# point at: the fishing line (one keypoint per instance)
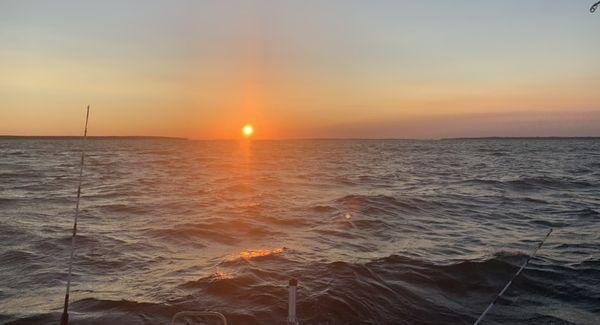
(512, 279)
(64, 319)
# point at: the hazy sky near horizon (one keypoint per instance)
(202, 69)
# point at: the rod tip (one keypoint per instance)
(293, 282)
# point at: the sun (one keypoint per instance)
(248, 130)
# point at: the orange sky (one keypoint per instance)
(335, 69)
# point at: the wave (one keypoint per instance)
(530, 183)
(586, 213)
(100, 311)
(123, 208)
(222, 231)
(376, 204)
(381, 291)
(547, 183)
(323, 209)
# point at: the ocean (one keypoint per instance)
(375, 231)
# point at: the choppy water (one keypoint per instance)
(377, 232)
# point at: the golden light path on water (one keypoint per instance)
(252, 253)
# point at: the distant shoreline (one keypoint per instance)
(66, 137)
(523, 138)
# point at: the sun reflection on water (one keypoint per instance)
(252, 253)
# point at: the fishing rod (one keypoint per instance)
(64, 319)
(594, 7)
(512, 279)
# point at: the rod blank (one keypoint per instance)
(512, 279)
(64, 319)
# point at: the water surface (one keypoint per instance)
(376, 231)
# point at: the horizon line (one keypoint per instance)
(158, 137)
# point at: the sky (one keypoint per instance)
(301, 69)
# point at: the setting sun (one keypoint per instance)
(248, 130)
